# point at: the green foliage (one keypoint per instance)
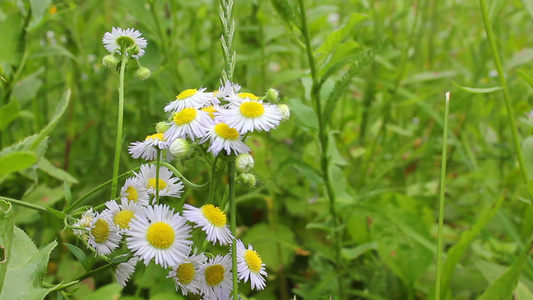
(26, 264)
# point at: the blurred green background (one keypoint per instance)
(385, 134)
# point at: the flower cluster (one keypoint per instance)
(154, 232)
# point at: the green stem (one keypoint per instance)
(323, 139)
(101, 186)
(157, 166)
(120, 120)
(441, 202)
(185, 181)
(505, 90)
(233, 225)
(32, 206)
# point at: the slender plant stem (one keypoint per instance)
(226, 7)
(101, 186)
(441, 201)
(29, 205)
(505, 90)
(157, 166)
(233, 225)
(120, 121)
(185, 181)
(323, 139)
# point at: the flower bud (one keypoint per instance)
(285, 112)
(142, 73)
(244, 162)
(161, 127)
(110, 61)
(247, 179)
(272, 95)
(180, 148)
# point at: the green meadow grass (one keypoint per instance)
(347, 200)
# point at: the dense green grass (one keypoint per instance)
(395, 59)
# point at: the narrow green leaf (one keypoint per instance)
(54, 50)
(334, 38)
(286, 11)
(38, 8)
(16, 161)
(81, 256)
(477, 90)
(8, 113)
(68, 195)
(456, 252)
(11, 30)
(353, 253)
(46, 166)
(504, 286)
(526, 77)
(6, 238)
(60, 109)
(304, 114)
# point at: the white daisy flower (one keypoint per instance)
(123, 271)
(215, 278)
(168, 185)
(224, 137)
(161, 235)
(147, 149)
(212, 220)
(188, 123)
(228, 91)
(186, 274)
(250, 266)
(130, 37)
(192, 98)
(133, 190)
(84, 222)
(122, 214)
(250, 116)
(103, 235)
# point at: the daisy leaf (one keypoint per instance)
(26, 265)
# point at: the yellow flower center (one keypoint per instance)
(210, 109)
(248, 95)
(253, 260)
(100, 231)
(185, 273)
(157, 136)
(185, 116)
(214, 274)
(123, 218)
(151, 184)
(133, 195)
(215, 93)
(252, 109)
(160, 235)
(214, 215)
(186, 94)
(226, 132)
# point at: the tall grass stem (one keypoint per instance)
(442, 196)
(323, 140)
(505, 90)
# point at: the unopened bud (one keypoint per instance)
(285, 112)
(244, 162)
(161, 127)
(180, 148)
(142, 73)
(247, 179)
(272, 95)
(110, 61)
